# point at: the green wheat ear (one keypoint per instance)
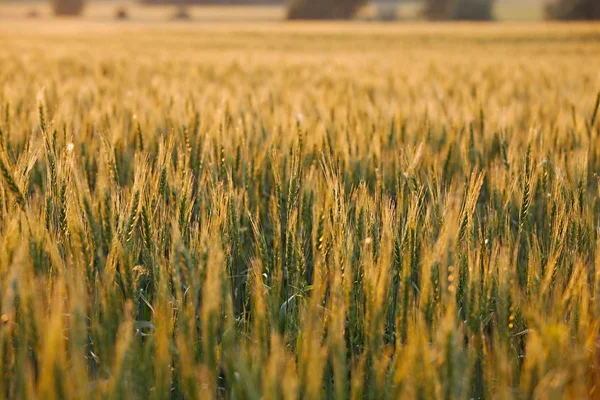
(12, 184)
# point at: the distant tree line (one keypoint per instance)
(475, 10)
(323, 9)
(573, 9)
(67, 7)
(480, 10)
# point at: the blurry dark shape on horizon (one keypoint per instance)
(67, 8)
(182, 14)
(33, 13)
(436, 10)
(459, 10)
(121, 14)
(323, 9)
(573, 10)
(387, 12)
(473, 10)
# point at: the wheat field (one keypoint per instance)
(335, 210)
